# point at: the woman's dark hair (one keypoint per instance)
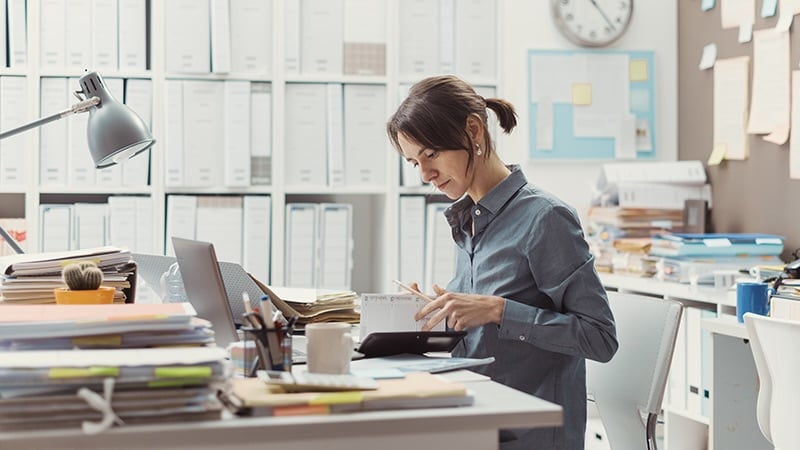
(434, 115)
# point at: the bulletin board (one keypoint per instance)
(591, 105)
(751, 195)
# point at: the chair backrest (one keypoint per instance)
(775, 344)
(628, 390)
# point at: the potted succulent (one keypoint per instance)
(83, 281)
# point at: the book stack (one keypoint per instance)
(32, 277)
(251, 396)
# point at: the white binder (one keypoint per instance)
(55, 228)
(53, 137)
(202, 133)
(219, 221)
(335, 135)
(187, 47)
(418, 43)
(236, 130)
(336, 249)
(78, 35)
(132, 35)
(321, 36)
(440, 250)
(251, 36)
(91, 225)
(301, 245)
(181, 215)
(220, 36)
(411, 251)
(17, 34)
(15, 155)
(256, 233)
(53, 34)
(365, 142)
(139, 97)
(306, 139)
(476, 39)
(105, 39)
(173, 133)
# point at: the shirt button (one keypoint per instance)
(522, 338)
(477, 212)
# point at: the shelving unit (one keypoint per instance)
(728, 371)
(375, 208)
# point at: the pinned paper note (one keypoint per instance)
(785, 20)
(544, 124)
(778, 136)
(639, 100)
(581, 94)
(706, 5)
(637, 70)
(745, 33)
(709, 56)
(769, 8)
(717, 155)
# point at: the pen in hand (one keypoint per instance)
(413, 291)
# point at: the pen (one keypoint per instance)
(413, 291)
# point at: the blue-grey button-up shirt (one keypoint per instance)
(528, 247)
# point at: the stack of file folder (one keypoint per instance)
(314, 305)
(95, 365)
(693, 258)
(55, 327)
(94, 389)
(716, 244)
(30, 278)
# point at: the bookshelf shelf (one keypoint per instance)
(375, 202)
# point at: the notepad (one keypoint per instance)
(392, 312)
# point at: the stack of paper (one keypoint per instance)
(32, 277)
(416, 390)
(53, 327)
(314, 305)
(96, 388)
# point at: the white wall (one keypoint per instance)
(527, 24)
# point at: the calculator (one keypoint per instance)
(316, 382)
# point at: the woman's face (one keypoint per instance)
(445, 169)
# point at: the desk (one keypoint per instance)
(496, 406)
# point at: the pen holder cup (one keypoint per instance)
(273, 348)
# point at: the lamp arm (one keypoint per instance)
(10, 241)
(80, 107)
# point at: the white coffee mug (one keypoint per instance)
(329, 347)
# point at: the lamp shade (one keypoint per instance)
(115, 133)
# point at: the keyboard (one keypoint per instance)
(316, 382)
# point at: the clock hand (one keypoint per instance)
(594, 3)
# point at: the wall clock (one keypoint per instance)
(592, 23)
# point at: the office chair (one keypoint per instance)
(775, 344)
(628, 389)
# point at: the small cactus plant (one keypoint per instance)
(82, 276)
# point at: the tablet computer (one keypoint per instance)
(418, 342)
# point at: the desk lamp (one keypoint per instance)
(115, 133)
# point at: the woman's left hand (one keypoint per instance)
(462, 311)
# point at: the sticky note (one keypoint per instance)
(717, 155)
(581, 94)
(637, 70)
(706, 5)
(110, 340)
(82, 372)
(333, 398)
(183, 372)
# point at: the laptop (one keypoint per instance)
(205, 288)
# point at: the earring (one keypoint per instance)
(478, 150)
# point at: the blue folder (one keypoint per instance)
(716, 244)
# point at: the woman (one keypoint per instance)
(525, 287)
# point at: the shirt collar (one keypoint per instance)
(494, 199)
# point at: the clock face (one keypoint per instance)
(592, 23)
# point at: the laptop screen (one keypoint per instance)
(205, 289)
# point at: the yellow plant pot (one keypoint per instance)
(103, 294)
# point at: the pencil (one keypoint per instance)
(413, 291)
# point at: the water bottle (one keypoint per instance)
(172, 285)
